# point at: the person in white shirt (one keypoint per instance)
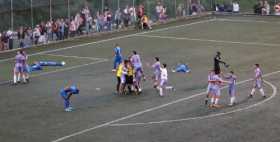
(163, 79)
(258, 82)
(236, 7)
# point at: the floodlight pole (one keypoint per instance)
(31, 9)
(68, 7)
(50, 9)
(12, 15)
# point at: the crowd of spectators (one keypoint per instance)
(86, 22)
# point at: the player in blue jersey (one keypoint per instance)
(117, 57)
(182, 68)
(66, 94)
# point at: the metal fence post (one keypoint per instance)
(31, 10)
(68, 9)
(12, 15)
(50, 9)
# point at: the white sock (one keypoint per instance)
(232, 100)
(212, 100)
(24, 78)
(18, 77)
(169, 87)
(15, 78)
(262, 92)
(216, 101)
(160, 91)
(253, 91)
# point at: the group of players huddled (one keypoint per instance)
(130, 73)
(217, 79)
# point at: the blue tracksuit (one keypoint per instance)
(182, 68)
(65, 92)
(118, 57)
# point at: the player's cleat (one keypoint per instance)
(250, 96)
(264, 97)
(206, 101)
(68, 110)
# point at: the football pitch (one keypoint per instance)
(34, 112)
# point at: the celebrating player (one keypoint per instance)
(18, 69)
(232, 87)
(216, 90)
(258, 82)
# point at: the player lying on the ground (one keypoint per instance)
(182, 68)
(37, 66)
(258, 82)
(66, 94)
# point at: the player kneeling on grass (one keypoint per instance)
(216, 90)
(232, 87)
(258, 81)
(66, 93)
(163, 80)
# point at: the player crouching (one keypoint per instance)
(66, 93)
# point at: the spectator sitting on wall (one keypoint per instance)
(258, 8)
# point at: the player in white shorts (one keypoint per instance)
(163, 80)
(258, 82)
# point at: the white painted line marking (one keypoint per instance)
(206, 116)
(209, 40)
(75, 57)
(142, 112)
(111, 39)
(245, 21)
(60, 70)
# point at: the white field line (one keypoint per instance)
(75, 57)
(144, 111)
(111, 39)
(61, 70)
(206, 116)
(210, 40)
(245, 21)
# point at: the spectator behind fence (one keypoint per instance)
(235, 7)
(265, 8)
